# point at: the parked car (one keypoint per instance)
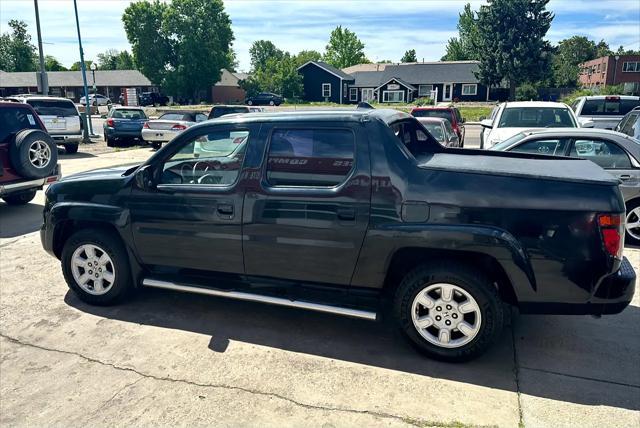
(60, 117)
(28, 155)
(168, 125)
(441, 130)
(509, 119)
(123, 123)
(452, 114)
(265, 98)
(223, 110)
(605, 111)
(630, 124)
(152, 99)
(617, 153)
(96, 100)
(346, 212)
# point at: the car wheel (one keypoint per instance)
(448, 311)
(272, 103)
(21, 198)
(156, 145)
(71, 148)
(33, 154)
(96, 267)
(249, 103)
(632, 225)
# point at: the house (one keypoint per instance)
(227, 90)
(393, 83)
(69, 84)
(611, 70)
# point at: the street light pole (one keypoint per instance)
(43, 82)
(87, 111)
(615, 68)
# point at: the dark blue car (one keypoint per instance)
(124, 124)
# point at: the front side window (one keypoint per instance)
(326, 90)
(213, 158)
(552, 147)
(469, 89)
(310, 157)
(536, 117)
(603, 153)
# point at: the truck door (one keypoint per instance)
(307, 218)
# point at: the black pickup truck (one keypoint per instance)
(357, 213)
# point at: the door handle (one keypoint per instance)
(225, 209)
(346, 213)
(624, 177)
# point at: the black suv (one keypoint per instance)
(264, 98)
(356, 213)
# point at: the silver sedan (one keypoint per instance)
(168, 125)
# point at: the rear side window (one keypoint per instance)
(631, 126)
(14, 120)
(608, 107)
(310, 157)
(59, 108)
(553, 147)
(604, 153)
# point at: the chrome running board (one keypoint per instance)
(239, 295)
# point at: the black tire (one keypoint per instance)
(116, 251)
(249, 103)
(632, 217)
(71, 148)
(19, 153)
(111, 142)
(21, 198)
(473, 282)
(272, 103)
(156, 145)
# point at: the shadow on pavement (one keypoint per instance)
(357, 341)
(16, 220)
(77, 155)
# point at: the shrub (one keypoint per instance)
(424, 101)
(526, 92)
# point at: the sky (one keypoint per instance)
(387, 28)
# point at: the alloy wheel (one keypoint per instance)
(632, 225)
(92, 269)
(39, 154)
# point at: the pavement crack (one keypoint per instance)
(516, 371)
(592, 379)
(404, 419)
(128, 385)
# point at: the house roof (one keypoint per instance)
(367, 79)
(74, 78)
(433, 72)
(400, 81)
(329, 68)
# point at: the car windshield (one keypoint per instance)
(53, 107)
(536, 117)
(221, 111)
(608, 107)
(444, 114)
(435, 130)
(509, 141)
(128, 114)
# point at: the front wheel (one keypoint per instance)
(156, 145)
(96, 267)
(449, 312)
(71, 148)
(272, 103)
(21, 198)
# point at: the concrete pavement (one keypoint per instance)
(166, 358)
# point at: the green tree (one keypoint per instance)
(511, 42)
(51, 63)
(344, 49)
(409, 56)
(17, 53)
(262, 51)
(602, 49)
(622, 51)
(278, 74)
(304, 57)
(567, 57)
(182, 45)
(125, 61)
(465, 46)
(112, 59)
(76, 65)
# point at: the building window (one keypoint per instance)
(367, 94)
(469, 89)
(631, 66)
(392, 96)
(326, 90)
(353, 94)
(344, 89)
(425, 90)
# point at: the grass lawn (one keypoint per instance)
(473, 114)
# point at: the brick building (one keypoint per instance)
(611, 70)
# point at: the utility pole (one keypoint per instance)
(87, 111)
(43, 81)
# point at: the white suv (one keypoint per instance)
(508, 119)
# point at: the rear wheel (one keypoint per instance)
(156, 145)
(21, 198)
(250, 102)
(449, 312)
(96, 267)
(272, 103)
(632, 226)
(71, 148)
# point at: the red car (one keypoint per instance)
(28, 155)
(450, 113)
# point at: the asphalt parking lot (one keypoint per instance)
(166, 358)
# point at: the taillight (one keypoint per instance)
(612, 231)
(612, 98)
(110, 122)
(146, 125)
(178, 127)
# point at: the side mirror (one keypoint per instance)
(486, 123)
(587, 124)
(464, 120)
(144, 178)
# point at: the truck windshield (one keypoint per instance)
(608, 107)
(536, 117)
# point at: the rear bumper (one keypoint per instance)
(22, 186)
(613, 294)
(158, 135)
(123, 133)
(66, 138)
